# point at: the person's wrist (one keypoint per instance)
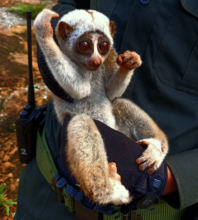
(171, 185)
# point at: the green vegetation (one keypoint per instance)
(4, 202)
(21, 9)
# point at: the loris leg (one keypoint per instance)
(136, 124)
(88, 163)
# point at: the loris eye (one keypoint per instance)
(84, 45)
(104, 46)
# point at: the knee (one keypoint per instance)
(81, 123)
(121, 105)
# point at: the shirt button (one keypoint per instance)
(145, 1)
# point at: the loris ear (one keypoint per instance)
(112, 28)
(64, 29)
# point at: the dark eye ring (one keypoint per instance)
(84, 45)
(104, 46)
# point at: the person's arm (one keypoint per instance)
(171, 185)
(184, 168)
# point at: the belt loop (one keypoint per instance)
(59, 190)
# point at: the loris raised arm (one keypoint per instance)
(87, 67)
(64, 70)
(83, 49)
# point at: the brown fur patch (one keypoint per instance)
(89, 34)
(91, 13)
(64, 29)
(112, 28)
(110, 61)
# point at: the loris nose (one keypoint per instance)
(96, 62)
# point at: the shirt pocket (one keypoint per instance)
(176, 63)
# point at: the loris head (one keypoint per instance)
(86, 37)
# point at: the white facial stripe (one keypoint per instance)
(95, 37)
(95, 53)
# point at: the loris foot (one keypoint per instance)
(115, 193)
(152, 157)
(129, 60)
(120, 194)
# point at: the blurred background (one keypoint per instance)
(13, 91)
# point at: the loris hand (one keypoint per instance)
(129, 60)
(152, 157)
(42, 23)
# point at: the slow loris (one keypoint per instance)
(87, 67)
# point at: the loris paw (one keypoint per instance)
(129, 60)
(116, 193)
(152, 157)
(42, 23)
(120, 194)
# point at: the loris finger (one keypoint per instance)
(152, 168)
(119, 59)
(113, 171)
(146, 164)
(112, 168)
(143, 143)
